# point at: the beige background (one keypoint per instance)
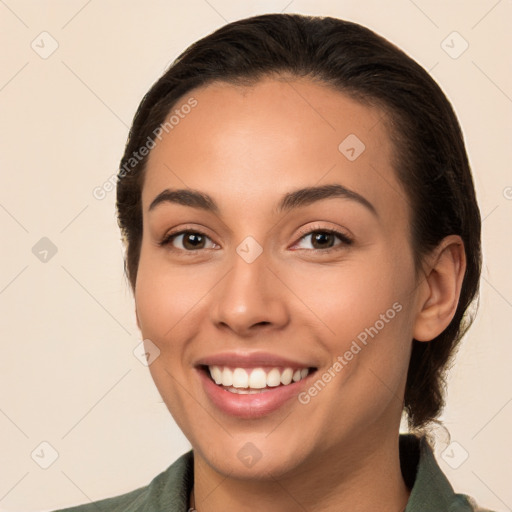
(68, 375)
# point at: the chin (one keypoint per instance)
(253, 456)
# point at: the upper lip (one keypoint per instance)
(250, 360)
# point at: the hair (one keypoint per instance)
(429, 159)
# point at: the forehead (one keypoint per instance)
(254, 143)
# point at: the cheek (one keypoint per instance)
(346, 298)
(365, 329)
(363, 315)
(166, 298)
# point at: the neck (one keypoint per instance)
(364, 478)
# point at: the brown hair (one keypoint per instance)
(430, 156)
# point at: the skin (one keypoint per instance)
(246, 147)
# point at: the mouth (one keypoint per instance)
(254, 380)
(254, 387)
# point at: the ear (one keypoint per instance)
(443, 282)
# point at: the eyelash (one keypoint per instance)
(345, 240)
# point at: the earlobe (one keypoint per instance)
(444, 282)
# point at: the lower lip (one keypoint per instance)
(250, 405)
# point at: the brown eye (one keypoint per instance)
(193, 241)
(190, 240)
(324, 240)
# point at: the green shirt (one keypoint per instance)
(169, 491)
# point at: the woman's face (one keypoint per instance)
(268, 284)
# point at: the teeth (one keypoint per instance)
(216, 374)
(240, 378)
(247, 391)
(273, 378)
(247, 380)
(227, 377)
(286, 376)
(258, 379)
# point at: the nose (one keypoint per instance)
(251, 297)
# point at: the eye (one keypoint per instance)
(323, 240)
(191, 240)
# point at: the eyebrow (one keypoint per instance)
(291, 200)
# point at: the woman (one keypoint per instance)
(303, 244)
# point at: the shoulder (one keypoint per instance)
(430, 489)
(167, 491)
(129, 502)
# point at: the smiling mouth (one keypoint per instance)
(246, 381)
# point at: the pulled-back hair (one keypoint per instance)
(430, 159)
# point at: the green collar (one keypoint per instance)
(430, 489)
(170, 490)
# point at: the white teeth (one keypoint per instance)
(246, 391)
(240, 378)
(244, 380)
(273, 378)
(227, 377)
(216, 374)
(286, 376)
(258, 379)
